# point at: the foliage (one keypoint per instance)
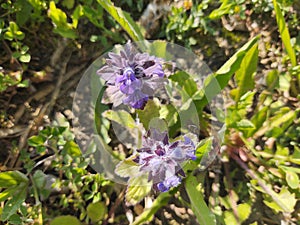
(256, 172)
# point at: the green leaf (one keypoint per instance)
(199, 207)
(150, 111)
(39, 178)
(68, 3)
(36, 141)
(272, 79)
(25, 58)
(72, 149)
(148, 214)
(15, 219)
(169, 113)
(158, 48)
(292, 179)
(138, 188)
(65, 220)
(244, 75)
(11, 178)
(77, 13)
(121, 117)
(244, 124)
(13, 32)
(8, 193)
(203, 147)
(244, 211)
(281, 120)
(214, 83)
(284, 32)
(123, 18)
(127, 167)
(23, 15)
(285, 198)
(12, 205)
(66, 32)
(96, 211)
(185, 82)
(224, 9)
(59, 18)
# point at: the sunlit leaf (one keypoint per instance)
(169, 113)
(199, 207)
(292, 179)
(224, 9)
(123, 18)
(65, 220)
(244, 75)
(96, 211)
(25, 58)
(244, 124)
(11, 178)
(150, 111)
(8, 193)
(59, 19)
(72, 149)
(138, 188)
(159, 49)
(12, 205)
(214, 83)
(121, 117)
(244, 211)
(286, 199)
(127, 168)
(284, 32)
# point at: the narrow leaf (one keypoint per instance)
(123, 18)
(214, 83)
(284, 32)
(244, 76)
(199, 207)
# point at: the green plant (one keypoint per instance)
(185, 23)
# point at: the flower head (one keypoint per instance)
(131, 77)
(162, 159)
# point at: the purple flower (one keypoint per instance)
(162, 160)
(131, 77)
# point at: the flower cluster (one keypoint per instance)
(162, 159)
(131, 77)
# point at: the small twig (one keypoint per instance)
(56, 56)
